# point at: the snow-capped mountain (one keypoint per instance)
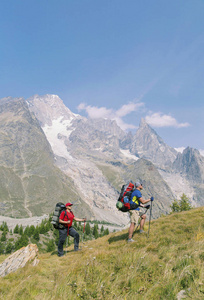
(90, 141)
(72, 137)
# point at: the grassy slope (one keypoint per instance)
(158, 267)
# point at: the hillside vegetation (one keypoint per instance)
(167, 264)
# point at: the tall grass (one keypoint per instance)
(158, 267)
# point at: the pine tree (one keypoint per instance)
(175, 206)
(102, 229)
(42, 228)
(36, 235)
(106, 231)
(48, 226)
(95, 232)
(1, 248)
(20, 231)
(87, 228)
(182, 205)
(3, 236)
(31, 230)
(185, 203)
(4, 227)
(56, 236)
(21, 242)
(9, 248)
(16, 229)
(26, 231)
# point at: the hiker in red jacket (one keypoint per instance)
(66, 218)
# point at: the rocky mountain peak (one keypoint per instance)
(143, 124)
(48, 108)
(191, 152)
(149, 145)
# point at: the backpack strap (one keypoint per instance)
(68, 224)
(65, 214)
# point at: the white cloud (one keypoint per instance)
(128, 108)
(157, 119)
(81, 106)
(117, 115)
(96, 112)
(162, 120)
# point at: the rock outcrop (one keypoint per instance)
(19, 259)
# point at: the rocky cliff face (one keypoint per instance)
(190, 165)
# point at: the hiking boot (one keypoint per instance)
(130, 240)
(142, 231)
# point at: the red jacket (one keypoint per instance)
(67, 216)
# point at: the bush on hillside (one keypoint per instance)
(181, 205)
(51, 246)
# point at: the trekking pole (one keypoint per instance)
(66, 244)
(150, 219)
(83, 232)
(67, 240)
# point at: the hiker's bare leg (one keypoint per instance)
(142, 222)
(131, 229)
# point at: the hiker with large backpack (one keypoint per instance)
(65, 220)
(136, 197)
(123, 203)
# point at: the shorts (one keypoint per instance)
(135, 215)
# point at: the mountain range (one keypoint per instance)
(49, 154)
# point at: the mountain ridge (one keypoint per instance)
(97, 157)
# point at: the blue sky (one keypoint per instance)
(125, 60)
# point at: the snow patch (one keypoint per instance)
(201, 152)
(127, 154)
(59, 126)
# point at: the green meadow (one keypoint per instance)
(168, 263)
